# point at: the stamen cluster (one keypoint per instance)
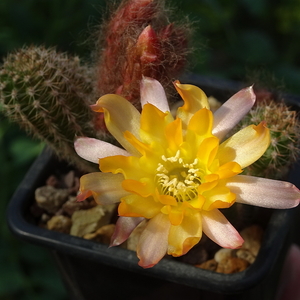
(177, 178)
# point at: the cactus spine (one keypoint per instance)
(48, 94)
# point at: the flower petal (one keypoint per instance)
(207, 151)
(219, 230)
(229, 169)
(152, 92)
(176, 216)
(264, 192)
(194, 99)
(124, 227)
(119, 115)
(173, 134)
(167, 200)
(199, 128)
(232, 111)
(92, 149)
(186, 235)
(153, 242)
(106, 188)
(141, 188)
(218, 197)
(202, 122)
(130, 166)
(153, 124)
(137, 206)
(246, 146)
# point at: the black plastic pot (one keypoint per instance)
(93, 271)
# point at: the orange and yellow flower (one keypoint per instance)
(178, 172)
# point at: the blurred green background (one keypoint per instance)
(241, 40)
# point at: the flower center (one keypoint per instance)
(177, 178)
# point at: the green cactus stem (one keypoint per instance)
(284, 147)
(48, 94)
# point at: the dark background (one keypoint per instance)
(249, 40)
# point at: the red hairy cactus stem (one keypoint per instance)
(140, 41)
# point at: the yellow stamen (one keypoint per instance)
(177, 178)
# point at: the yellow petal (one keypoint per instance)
(199, 128)
(137, 206)
(151, 154)
(153, 123)
(211, 178)
(129, 166)
(246, 146)
(222, 204)
(186, 235)
(197, 203)
(166, 209)
(210, 182)
(207, 151)
(194, 99)
(144, 189)
(218, 197)
(143, 148)
(201, 122)
(173, 134)
(229, 169)
(176, 216)
(120, 115)
(106, 188)
(167, 200)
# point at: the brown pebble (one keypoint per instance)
(246, 255)
(52, 181)
(224, 253)
(50, 198)
(71, 182)
(60, 223)
(210, 265)
(90, 220)
(68, 179)
(252, 236)
(232, 265)
(72, 205)
(45, 218)
(102, 235)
